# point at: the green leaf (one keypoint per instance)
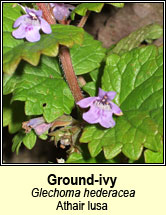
(78, 158)
(29, 140)
(42, 88)
(88, 56)
(95, 135)
(152, 31)
(157, 116)
(90, 88)
(43, 136)
(17, 140)
(94, 75)
(7, 112)
(140, 131)
(13, 114)
(14, 50)
(82, 8)
(137, 77)
(117, 4)
(153, 157)
(112, 150)
(129, 140)
(10, 14)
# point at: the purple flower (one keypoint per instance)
(101, 109)
(61, 11)
(38, 124)
(30, 25)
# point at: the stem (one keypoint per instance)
(69, 73)
(47, 12)
(84, 19)
(64, 55)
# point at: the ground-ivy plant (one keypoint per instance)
(59, 84)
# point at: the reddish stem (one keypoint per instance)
(69, 73)
(47, 12)
(64, 55)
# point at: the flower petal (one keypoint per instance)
(93, 115)
(84, 103)
(19, 21)
(42, 128)
(28, 10)
(115, 109)
(101, 93)
(38, 13)
(106, 119)
(20, 32)
(61, 10)
(111, 95)
(35, 122)
(45, 26)
(33, 35)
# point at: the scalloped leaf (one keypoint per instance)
(88, 56)
(42, 88)
(133, 40)
(82, 8)
(137, 77)
(15, 50)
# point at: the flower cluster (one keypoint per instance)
(30, 25)
(101, 109)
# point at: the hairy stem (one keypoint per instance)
(69, 73)
(47, 12)
(64, 55)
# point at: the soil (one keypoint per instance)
(109, 26)
(113, 24)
